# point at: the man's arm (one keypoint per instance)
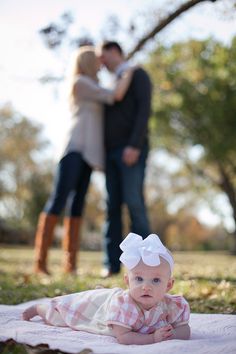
(142, 94)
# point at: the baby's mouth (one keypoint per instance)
(146, 296)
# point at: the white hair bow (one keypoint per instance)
(149, 250)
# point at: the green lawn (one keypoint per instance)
(207, 280)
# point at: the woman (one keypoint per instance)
(82, 153)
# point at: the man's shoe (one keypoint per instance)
(107, 273)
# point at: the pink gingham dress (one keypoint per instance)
(95, 311)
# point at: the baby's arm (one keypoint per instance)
(35, 310)
(181, 332)
(127, 336)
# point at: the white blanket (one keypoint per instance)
(210, 334)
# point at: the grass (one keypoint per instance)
(207, 280)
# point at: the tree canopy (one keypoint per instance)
(194, 105)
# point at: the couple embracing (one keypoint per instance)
(109, 131)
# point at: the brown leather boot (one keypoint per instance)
(43, 240)
(70, 243)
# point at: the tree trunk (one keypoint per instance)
(227, 186)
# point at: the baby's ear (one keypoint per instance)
(126, 279)
(170, 284)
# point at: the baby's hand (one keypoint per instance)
(163, 333)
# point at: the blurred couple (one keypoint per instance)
(109, 132)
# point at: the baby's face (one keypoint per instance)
(148, 285)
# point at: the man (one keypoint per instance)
(126, 144)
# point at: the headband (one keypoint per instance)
(149, 250)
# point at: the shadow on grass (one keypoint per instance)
(11, 347)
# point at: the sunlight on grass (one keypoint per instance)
(207, 280)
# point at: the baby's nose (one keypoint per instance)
(146, 286)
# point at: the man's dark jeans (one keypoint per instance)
(124, 185)
(70, 186)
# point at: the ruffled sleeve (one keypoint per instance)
(123, 312)
(178, 310)
(89, 89)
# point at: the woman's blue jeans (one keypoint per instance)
(124, 186)
(70, 186)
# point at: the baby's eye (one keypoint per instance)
(156, 280)
(139, 279)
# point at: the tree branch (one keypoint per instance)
(188, 5)
(194, 169)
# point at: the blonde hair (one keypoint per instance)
(84, 62)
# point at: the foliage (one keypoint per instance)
(23, 181)
(194, 95)
(39, 185)
(183, 232)
(194, 107)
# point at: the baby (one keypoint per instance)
(143, 314)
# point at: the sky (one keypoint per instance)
(24, 58)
